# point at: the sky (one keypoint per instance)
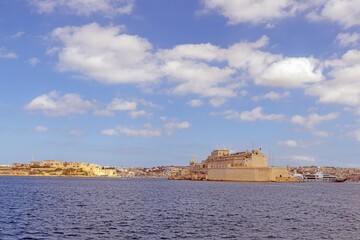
(143, 83)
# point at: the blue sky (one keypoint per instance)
(155, 82)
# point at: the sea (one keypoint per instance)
(116, 208)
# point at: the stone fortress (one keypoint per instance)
(247, 166)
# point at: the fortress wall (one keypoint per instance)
(277, 172)
(246, 174)
(239, 174)
(259, 161)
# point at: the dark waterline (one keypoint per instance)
(100, 208)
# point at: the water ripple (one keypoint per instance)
(72, 208)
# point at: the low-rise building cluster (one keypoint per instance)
(58, 168)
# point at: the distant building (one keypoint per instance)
(247, 166)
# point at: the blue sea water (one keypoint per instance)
(101, 208)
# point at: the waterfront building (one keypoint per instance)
(247, 166)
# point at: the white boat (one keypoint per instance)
(319, 176)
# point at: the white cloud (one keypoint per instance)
(84, 7)
(55, 105)
(146, 103)
(196, 103)
(140, 113)
(344, 87)
(201, 69)
(105, 54)
(17, 35)
(118, 58)
(5, 54)
(33, 61)
(290, 143)
(344, 12)
(291, 72)
(174, 125)
(41, 129)
(118, 104)
(199, 78)
(249, 11)
(313, 119)
(348, 39)
(253, 115)
(271, 96)
(273, 70)
(205, 52)
(147, 130)
(121, 105)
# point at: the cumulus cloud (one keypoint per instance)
(292, 72)
(313, 119)
(84, 7)
(170, 127)
(121, 105)
(271, 96)
(203, 51)
(55, 105)
(4, 53)
(147, 130)
(118, 58)
(345, 12)
(343, 86)
(140, 113)
(348, 39)
(271, 69)
(117, 104)
(105, 54)
(131, 106)
(248, 11)
(199, 78)
(253, 115)
(41, 129)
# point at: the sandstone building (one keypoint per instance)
(247, 166)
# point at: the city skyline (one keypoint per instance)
(151, 83)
